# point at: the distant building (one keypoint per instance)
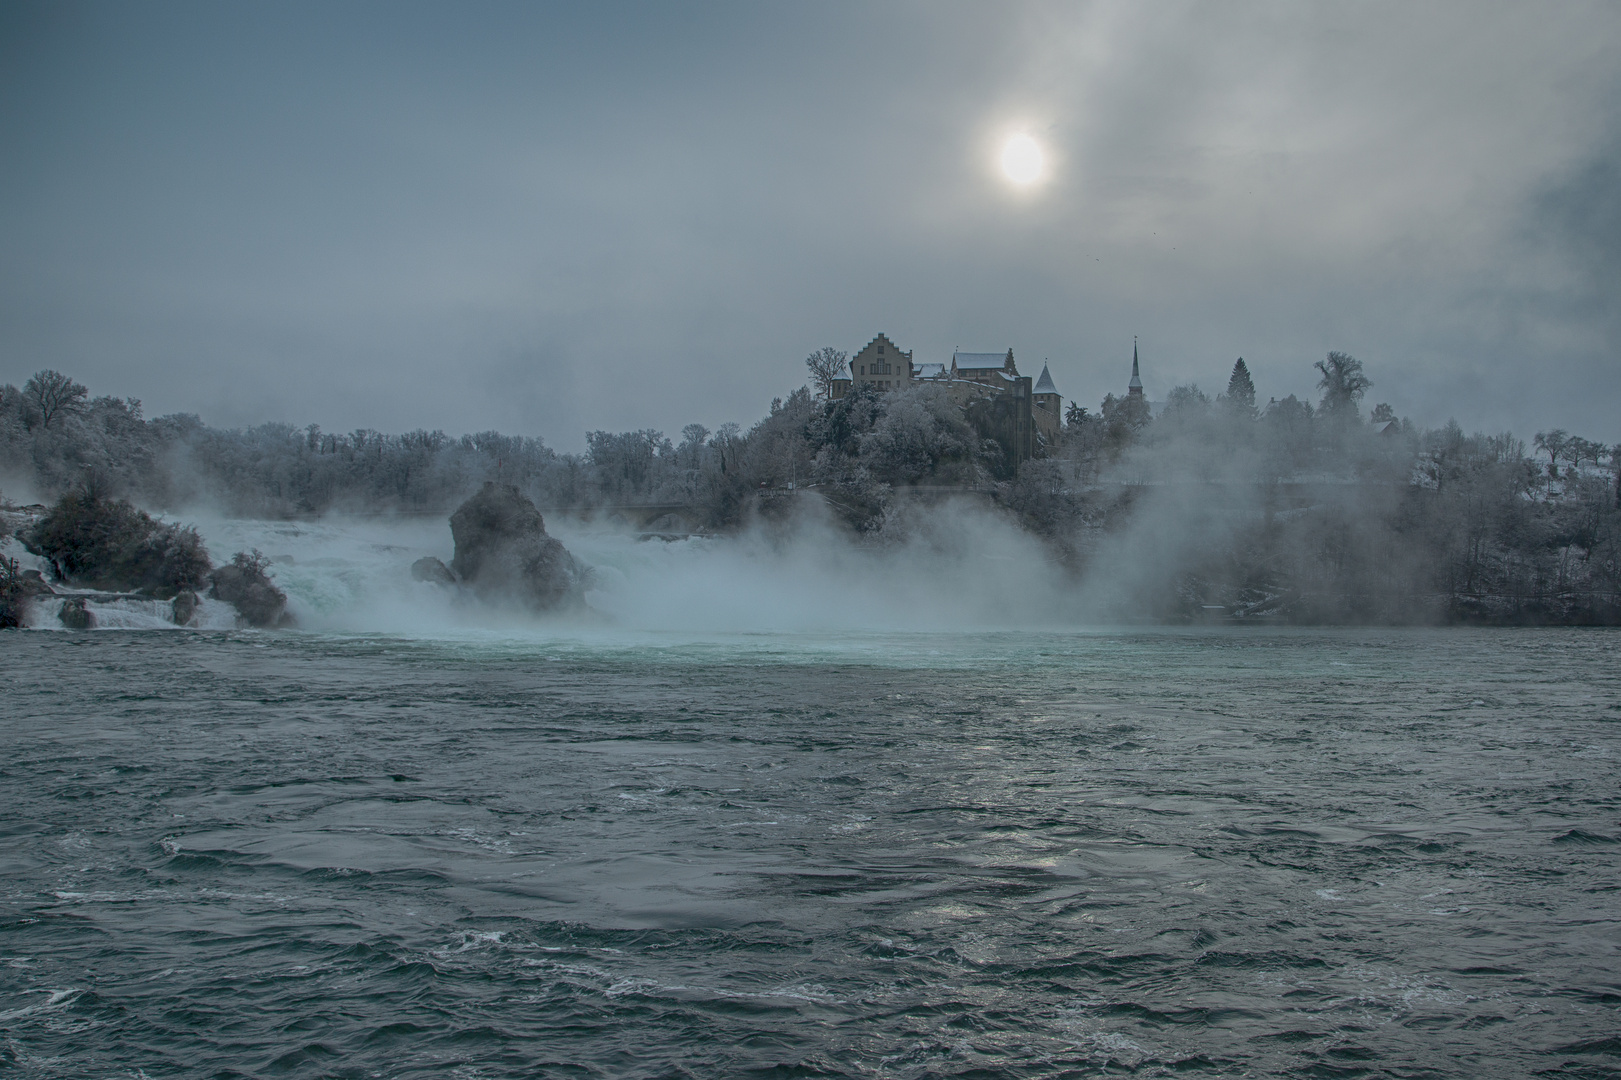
(995, 398)
(1135, 387)
(1046, 407)
(987, 368)
(881, 365)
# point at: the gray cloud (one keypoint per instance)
(550, 220)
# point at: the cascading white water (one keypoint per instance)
(959, 568)
(111, 612)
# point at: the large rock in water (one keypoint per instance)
(433, 571)
(244, 584)
(75, 616)
(503, 552)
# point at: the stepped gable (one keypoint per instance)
(882, 365)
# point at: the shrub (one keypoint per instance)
(11, 594)
(109, 544)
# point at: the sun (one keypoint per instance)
(1022, 160)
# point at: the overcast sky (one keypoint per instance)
(549, 220)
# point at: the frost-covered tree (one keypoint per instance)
(53, 395)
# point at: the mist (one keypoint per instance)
(958, 567)
(902, 509)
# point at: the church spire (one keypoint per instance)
(1135, 387)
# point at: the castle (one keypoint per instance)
(1023, 415)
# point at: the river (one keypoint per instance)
(617, 852)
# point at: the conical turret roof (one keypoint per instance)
(1044, 385)
(1136, 384)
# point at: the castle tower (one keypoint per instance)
(1135, 387)
(1045, 406)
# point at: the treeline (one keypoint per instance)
(1315, 512)
(55, 436)
(1205, 503)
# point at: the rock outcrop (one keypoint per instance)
(504, 555)
(18, 590)
(432, 570)
(243, 584)
(74, 615)
(112, 547)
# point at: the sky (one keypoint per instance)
(552, 219)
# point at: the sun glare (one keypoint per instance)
(1022, 160)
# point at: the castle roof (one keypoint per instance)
(883, 339)
(1044, 385)
(928, 371)
(1136, 384)
(978, 361)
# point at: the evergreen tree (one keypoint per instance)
(1240, 396)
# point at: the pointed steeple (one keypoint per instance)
(1044, 385)
(1135, 387)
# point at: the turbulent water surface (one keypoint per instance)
(1297, 853)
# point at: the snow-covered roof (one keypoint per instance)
(928, 371)
(1044, 385)
(978, 360)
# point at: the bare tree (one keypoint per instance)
(1342, 383)
(1553, 443)
(826, 364)
(1581, 449)
(53, 394)
(728, 442)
